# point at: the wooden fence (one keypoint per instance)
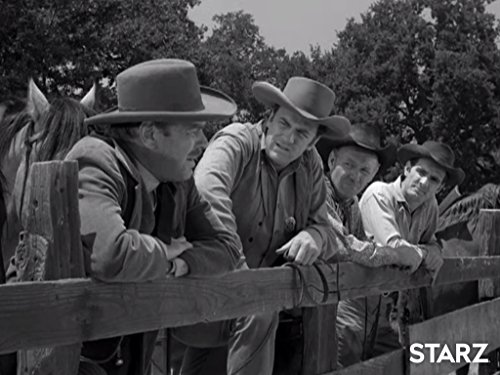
(55, 309)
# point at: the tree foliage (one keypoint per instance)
(423, 69)
(419, 69)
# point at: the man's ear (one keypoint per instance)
(147, 135)
(331, 160)
(407, 168)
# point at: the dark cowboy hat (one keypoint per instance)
(162, 90)
(362, 135)
(440, 153)
(308, 98)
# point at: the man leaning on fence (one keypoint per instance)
(405, 213)
(350, 165)
(265, 182)
(142, 217)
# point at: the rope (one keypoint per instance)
(305, 288)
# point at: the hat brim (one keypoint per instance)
(269, 95)
(386, 155)
(415, 151)
(217, 105)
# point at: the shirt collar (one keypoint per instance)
(150, 181)
(397, 190)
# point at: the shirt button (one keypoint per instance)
(250, 239)
(260, 223)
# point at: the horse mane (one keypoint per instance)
(14, 118)
(61, 127)
(467, 209)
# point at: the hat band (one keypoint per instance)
(162, 109)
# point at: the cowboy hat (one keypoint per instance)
(438, 152)
(309, 99)
(163, 90)
(361, 135)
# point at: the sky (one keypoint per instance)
(294, 24)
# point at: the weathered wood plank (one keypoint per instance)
(487, 235)
(357, 281)
(461, 326)
(388, 364)
(320, 345)
(52, 251)
(69, 311)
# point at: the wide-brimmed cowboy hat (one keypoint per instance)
(308, 98)
(164, 90)
(364, 136)
(438, 152)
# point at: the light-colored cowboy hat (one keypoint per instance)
(440, 153)
(361, 135)
(310, 99)
(164, 90)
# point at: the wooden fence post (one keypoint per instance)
(52, 250)
(320, 344)
(488, 236)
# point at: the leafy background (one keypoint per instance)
(418, 69)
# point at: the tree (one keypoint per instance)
(421, 70)
(66, 44)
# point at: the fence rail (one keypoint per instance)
(61, 312)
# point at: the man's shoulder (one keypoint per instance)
(378, 188)
(99, 153)
(92, 148)
(246, 133)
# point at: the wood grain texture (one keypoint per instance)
(487, 235)
(51, 250)
(320, 344)
(388, 364)
(474, 324)
(70, 311)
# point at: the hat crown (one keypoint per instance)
(441, 152)
(168, 85)
(366, 136)
(310, 96)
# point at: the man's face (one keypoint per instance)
(422, 181)
(288, 137)
(351, 169)
(177, 148)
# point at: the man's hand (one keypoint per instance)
(301, 249)
(433, 260)
(177, 247)
(406, 257)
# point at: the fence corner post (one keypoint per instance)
(52, 251)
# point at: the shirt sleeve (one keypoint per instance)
(216, 174)
(379, 220)
(215, 248)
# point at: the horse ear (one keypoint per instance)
(37, 102)
(89, 99)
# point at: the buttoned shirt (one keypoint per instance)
(387, 217)
(263, 207)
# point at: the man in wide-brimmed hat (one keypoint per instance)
(142, 217)
(405, 213)
(351, 163)
(265, 183)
